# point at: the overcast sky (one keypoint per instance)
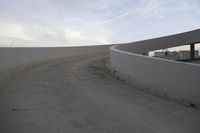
(88, 22)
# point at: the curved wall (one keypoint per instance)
(13, 57)
(175, 80)
(161, 42)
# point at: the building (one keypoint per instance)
(185, 54)
(175, 55)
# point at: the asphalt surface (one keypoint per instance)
(74, 95)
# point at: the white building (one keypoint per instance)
(185, 54)
(174, 55)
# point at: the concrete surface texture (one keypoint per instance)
(13, 57)
(171, 79)
(196, 62)
(74, 95)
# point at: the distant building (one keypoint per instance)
(174, 55)
(185, 54)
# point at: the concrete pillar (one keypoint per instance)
(192, 51)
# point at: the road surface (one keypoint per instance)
(74, 95)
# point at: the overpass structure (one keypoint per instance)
(174, 80)
(59, 90)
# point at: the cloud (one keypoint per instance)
(72, 35)
(78, 22)
(77, 37)
(15, 31)
(54, 22)
(149, 8)
(142, 9)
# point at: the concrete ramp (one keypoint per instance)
(75, 95)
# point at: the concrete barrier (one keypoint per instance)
(161, 42)
(13, 57)
(174, 80)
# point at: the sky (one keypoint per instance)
(93, 22)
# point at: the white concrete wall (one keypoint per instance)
(172, 79)
(13, 57)
(162, 42)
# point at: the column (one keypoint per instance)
(192, 51)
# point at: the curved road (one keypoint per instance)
(74, 95)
